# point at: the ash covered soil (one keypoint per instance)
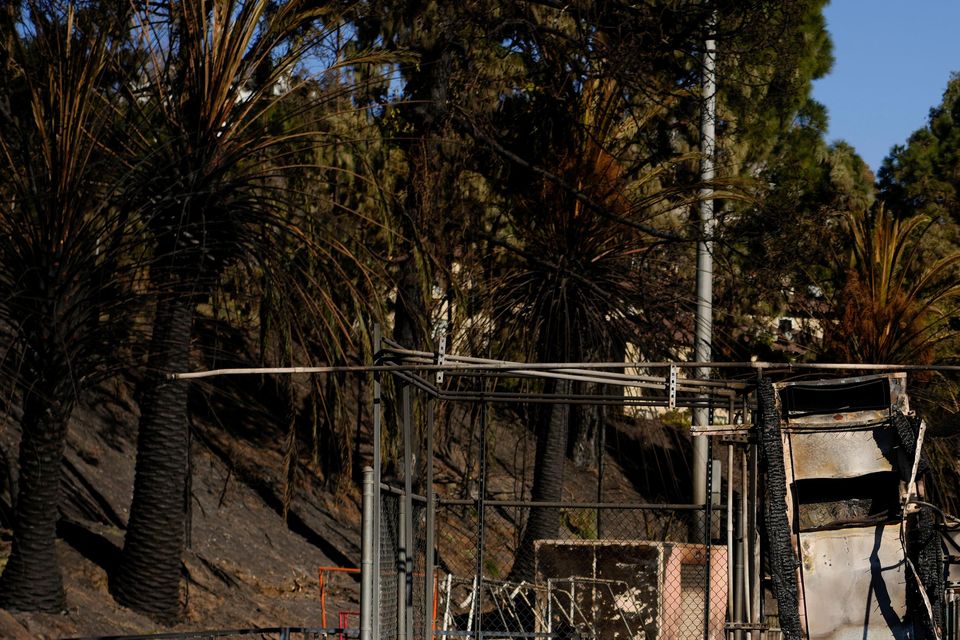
(247, 565)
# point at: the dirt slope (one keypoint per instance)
(244, 567)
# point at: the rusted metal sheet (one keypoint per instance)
(854, 584)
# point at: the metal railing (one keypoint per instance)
(278, 633)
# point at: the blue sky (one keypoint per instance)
(892, 62)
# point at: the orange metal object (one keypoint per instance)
(345, 621)
(321, 576)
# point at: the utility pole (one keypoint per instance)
(703, 331)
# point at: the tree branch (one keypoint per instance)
(579, 195)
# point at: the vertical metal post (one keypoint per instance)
(703, 329)
(377, 478)
(401, 560)
(730, 608)
(446, 605)
(745, 542)
(473, 606)
(550, 606)
(601, 468)
(756, 602)
(737, 557)
(573, 600)
(481, 517)
(707, 539)
(406, 522)
(428, 586)
(366, 557)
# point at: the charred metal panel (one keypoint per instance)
(842, 502)
(829, 397)
(842, 403)
(854, 584)
(842, 466)
(841, 454)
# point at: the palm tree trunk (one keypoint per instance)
(31, 580)
(148, 577)
(544, 522)
(586, 423)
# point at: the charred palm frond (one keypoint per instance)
(68, 259)
(574, 281)
(891, 307)
(214, 189)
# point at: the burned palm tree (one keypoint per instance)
(579, 280)
(891, 307)
(66, 260)
(211, 188)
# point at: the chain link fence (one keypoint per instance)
(610, 571)
(403, 608)
(494, 568)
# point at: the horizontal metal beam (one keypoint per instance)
(639, 506)
(459, 365)
(720, 429)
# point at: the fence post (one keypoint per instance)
(377, 477)
(428, 587)
(406, 520)
(731, 616)
(366, 557)
(708, 536)
(481, 518)
(401, 561)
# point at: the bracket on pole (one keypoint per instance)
(441, 356)
(672, 388)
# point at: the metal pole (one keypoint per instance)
(481, 517)
(730, 609)
(430, 524)
(707, 539)
(745, 544)
(401, 561)
(737, 558)
(407, 521)
(446, 605)
(703, 330)
(602, 445)
(366, 557)
(473, 606)
(756, 603)
(550, 606)
(377, 478)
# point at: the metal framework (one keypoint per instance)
(438, 376)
